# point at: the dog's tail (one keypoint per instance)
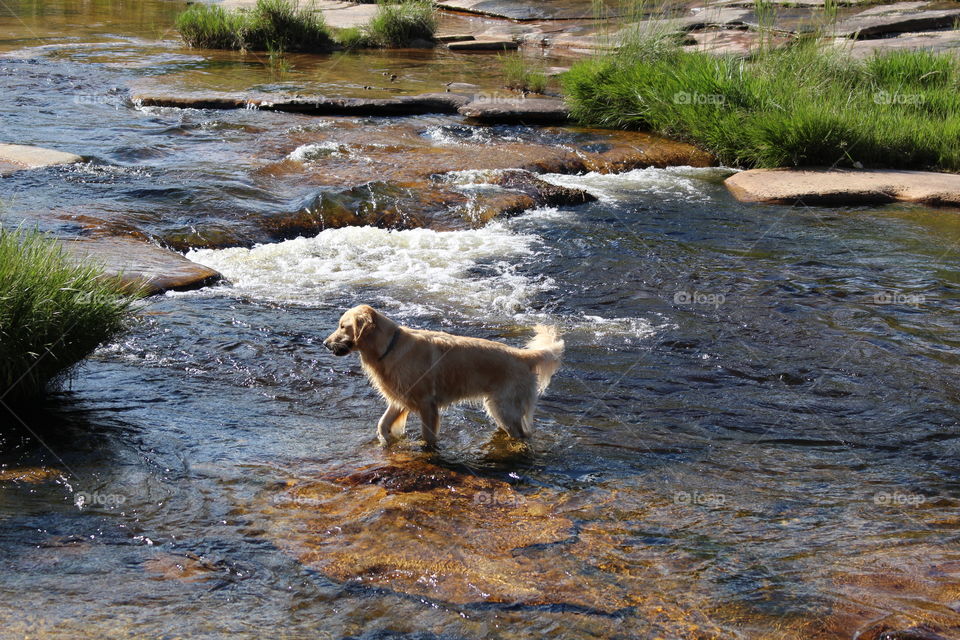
(545, 350)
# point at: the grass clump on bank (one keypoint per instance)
(53, 313)
(400, 24)
(523, 75)
(802, 105)
(271, 25)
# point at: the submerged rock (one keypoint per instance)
(422, 529)
(427, 531)
(187, 568)
(896, 593)
(30, 475)
(844, 187)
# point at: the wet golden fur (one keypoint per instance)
(425, 371)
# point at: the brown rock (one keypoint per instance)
(140, 263)
(844, 187)
(29, 475)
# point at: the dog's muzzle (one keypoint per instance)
(338, 348)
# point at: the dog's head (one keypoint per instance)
(356, 325)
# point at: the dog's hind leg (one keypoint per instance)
(391, 424)
(512, 410)
(430, 419)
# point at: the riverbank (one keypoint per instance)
(802, 105)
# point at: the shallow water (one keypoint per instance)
(754, 434)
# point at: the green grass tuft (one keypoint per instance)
(803, 105)
(398, 24)
(522, 74)
(353, 38)
(53, 313)
(272, 25)
(212, 27)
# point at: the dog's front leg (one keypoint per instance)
(430, 423)
(391, 416)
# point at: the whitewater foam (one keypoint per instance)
(677, 183)
(475, 272)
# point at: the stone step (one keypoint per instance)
(825, 187)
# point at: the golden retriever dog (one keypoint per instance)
(425, 371)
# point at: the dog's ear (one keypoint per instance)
(362, 322)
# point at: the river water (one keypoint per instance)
(754, 435)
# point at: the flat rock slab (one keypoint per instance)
(312, 105)
(826, 187)
(803, 4)
(517, 111)
(140, 263)
(934, 41)
(16, 157)
(881, 21)
(483, 45)
(539, 10)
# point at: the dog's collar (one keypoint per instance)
(393, 341)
